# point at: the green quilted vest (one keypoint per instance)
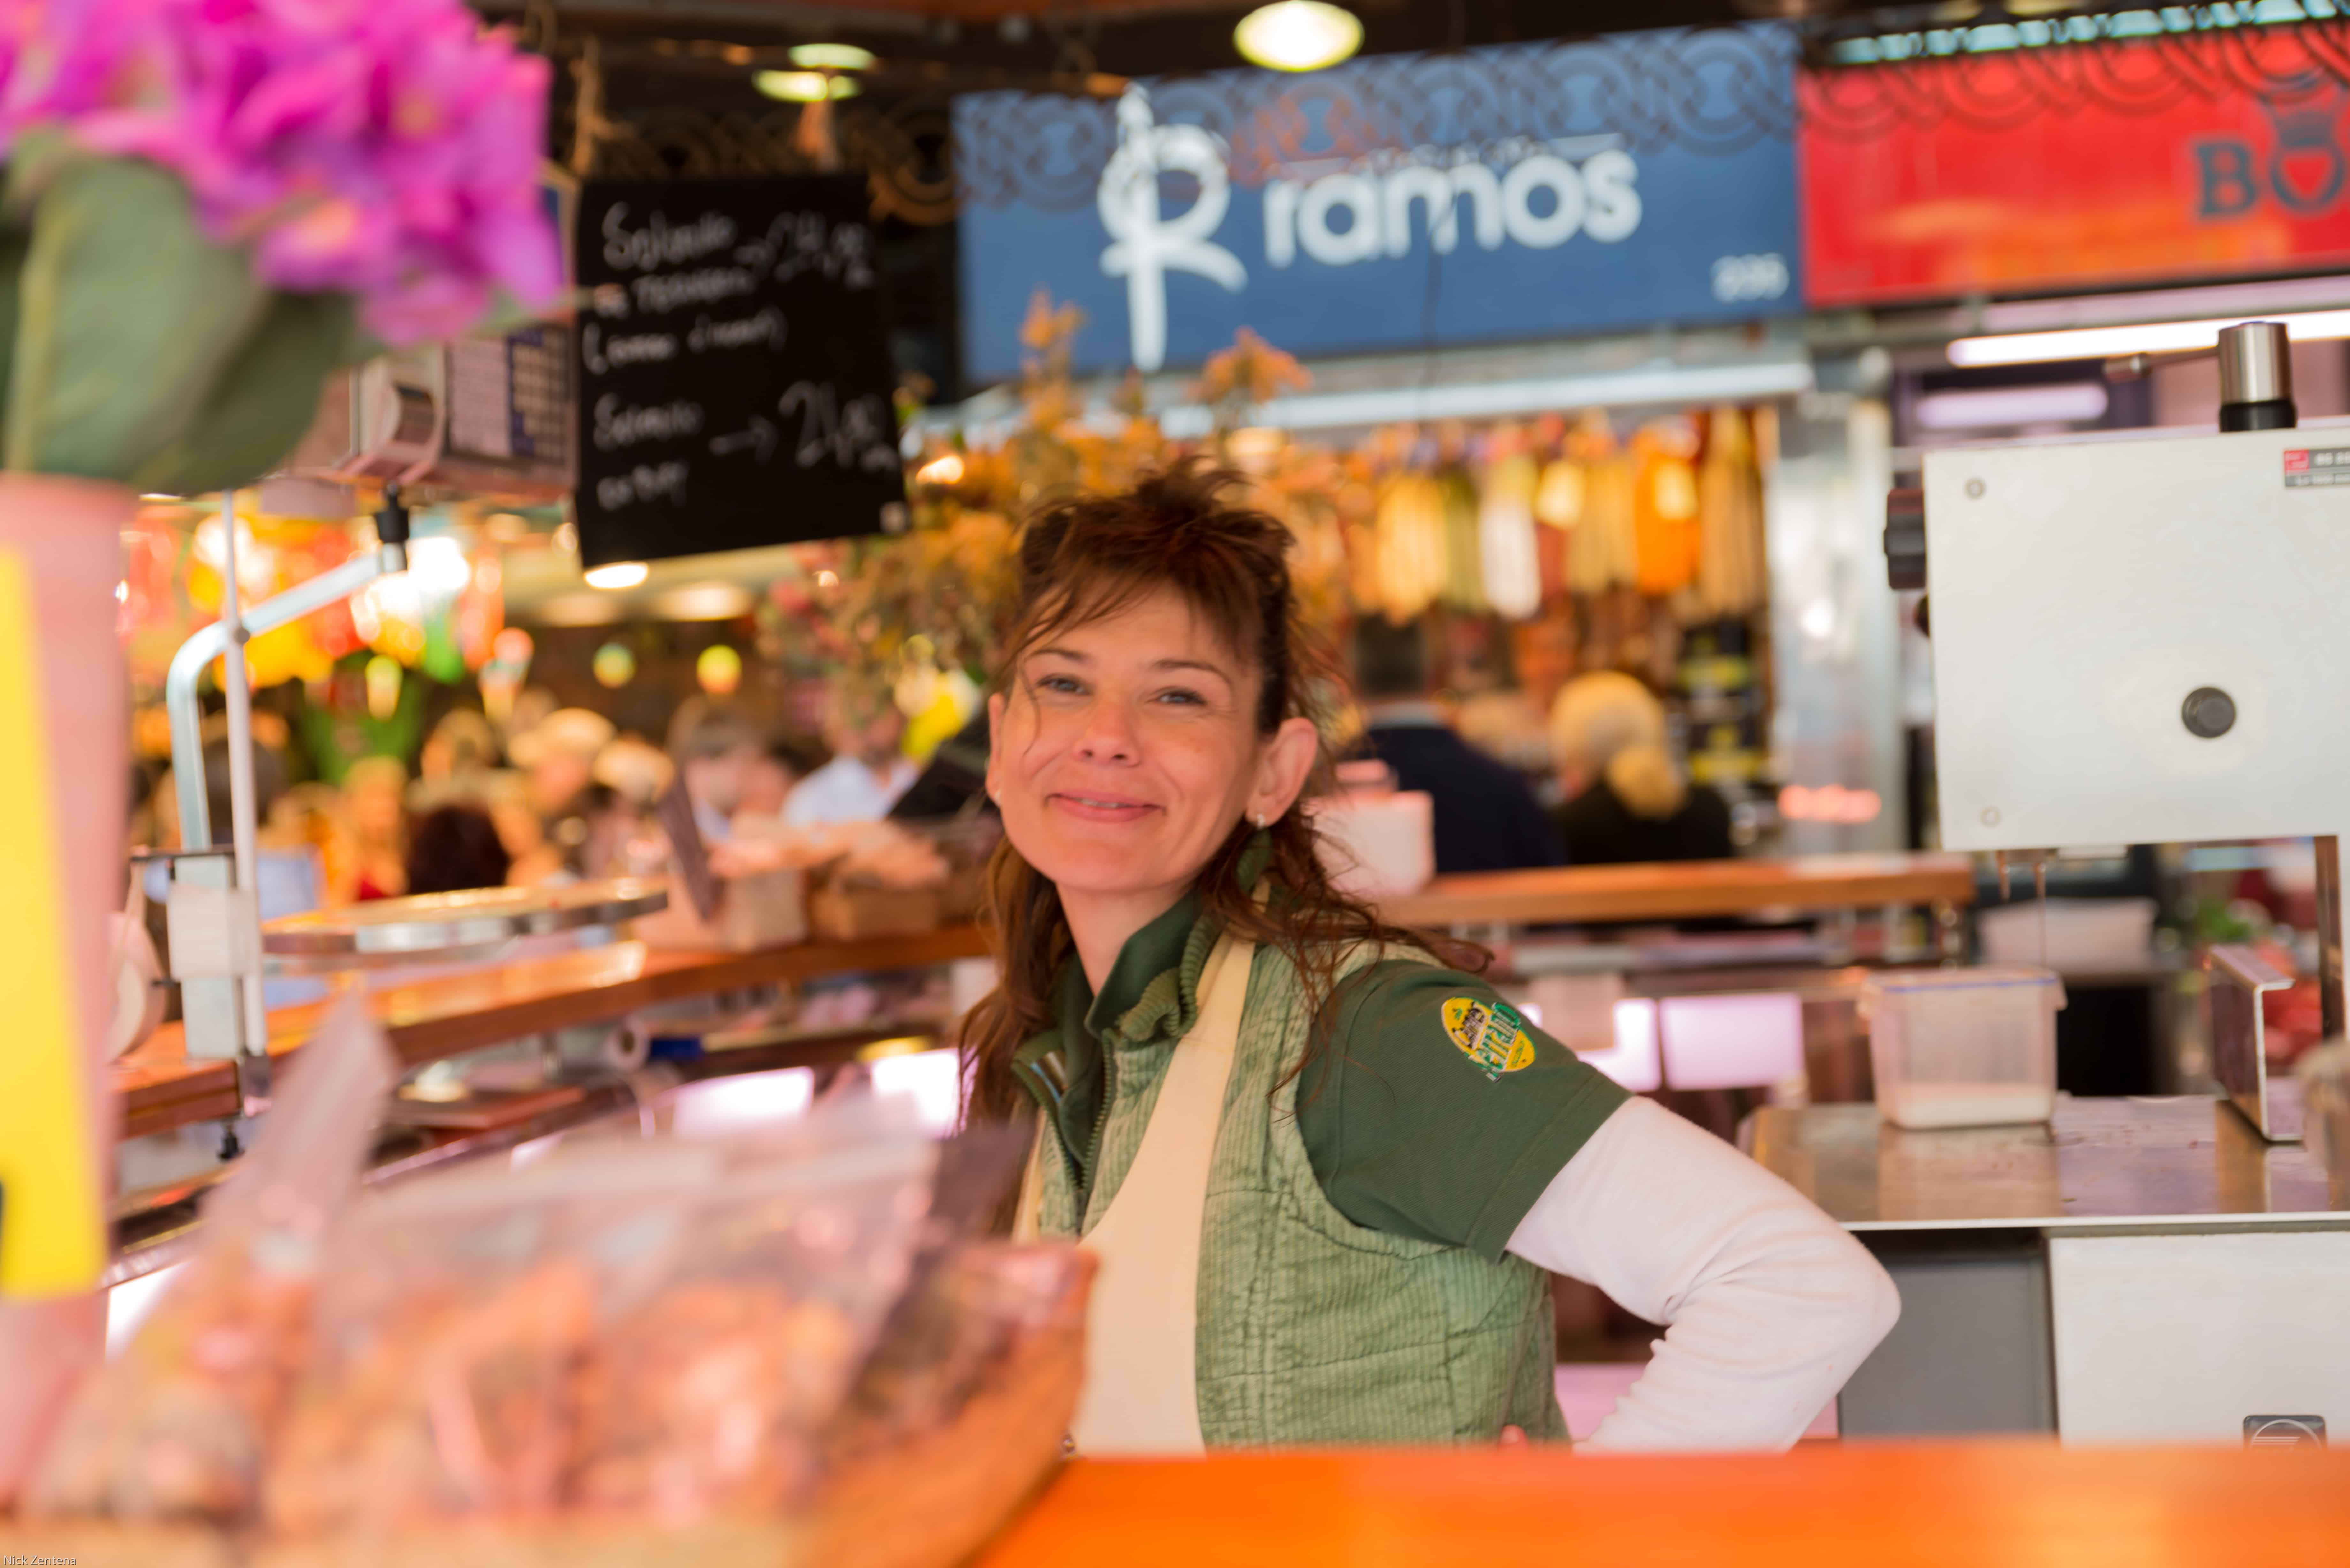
(1313, 1329)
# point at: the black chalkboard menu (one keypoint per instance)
(736, 387)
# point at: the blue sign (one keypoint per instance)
(1392, 203)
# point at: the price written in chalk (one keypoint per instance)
(735, 374)
(856, 435)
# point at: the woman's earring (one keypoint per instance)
(1257, 817)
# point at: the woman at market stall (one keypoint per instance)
(1324, 1172)
(1627, 801)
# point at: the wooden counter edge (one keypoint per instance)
(1691, 890)
(160, 1088)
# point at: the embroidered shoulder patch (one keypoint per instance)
(1490, 1033)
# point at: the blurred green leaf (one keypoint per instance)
(263, 400)
(127, 315)
(443, 659)
(14, 242)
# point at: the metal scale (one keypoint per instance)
(220, 948)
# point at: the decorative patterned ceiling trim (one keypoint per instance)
(1715, 90)
(2287, 66)
(901, 151)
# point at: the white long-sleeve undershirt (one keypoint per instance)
(1769, 1306)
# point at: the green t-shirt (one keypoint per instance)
(1431, 1109)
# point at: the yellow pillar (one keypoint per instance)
(51, 1218)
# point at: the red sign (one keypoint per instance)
(2090, 166)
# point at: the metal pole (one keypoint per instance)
(2329, 935)
(211, 642)
(243, 828)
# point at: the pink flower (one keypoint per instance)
(387, 149)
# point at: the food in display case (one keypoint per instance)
(727, 1347)
(175, 1428)
(703, 1400)
(654, 1327)
(451, 1404)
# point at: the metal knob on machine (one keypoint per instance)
(2256, 377)
(1904, 538)
(2207, 712)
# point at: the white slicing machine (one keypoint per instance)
(2137, 639)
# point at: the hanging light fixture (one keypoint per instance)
(832, 58)
(823, 72)
(806, 87)
(1298, 35)
(618, 576)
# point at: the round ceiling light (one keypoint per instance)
(832, 58)
(614, 666)
(618, 574)
(806, 87)
(1298, 35)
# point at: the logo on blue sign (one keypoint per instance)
(1145, 243)
(1392, 203)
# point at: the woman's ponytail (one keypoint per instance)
(1645, 779)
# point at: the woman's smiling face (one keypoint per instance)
(1127, 750)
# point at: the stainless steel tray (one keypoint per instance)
(434, 925)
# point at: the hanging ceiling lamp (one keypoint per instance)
(823, 71)
(618, 574)
(1298, 35)
(806, 86)
(832, 58)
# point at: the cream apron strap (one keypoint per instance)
(1141, 1393)
(1028, 1219)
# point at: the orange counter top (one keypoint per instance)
(1981, 1504)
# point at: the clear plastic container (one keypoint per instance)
(1963, 1047)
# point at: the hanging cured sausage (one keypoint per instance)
(1603, 553)
(1505, 534)
(1664, 507)
(1410, 537)
(1464, 568)
(1731, 566)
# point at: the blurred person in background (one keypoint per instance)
(1626, 800)
(867, 772)
(557, 755)
(716, 750)
(1487, 819)
(460, 755)
(769, 783)
(309, 817)
(454, 848)
(635, 767)
(506, 797)
(594, 841)
(375, 818)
